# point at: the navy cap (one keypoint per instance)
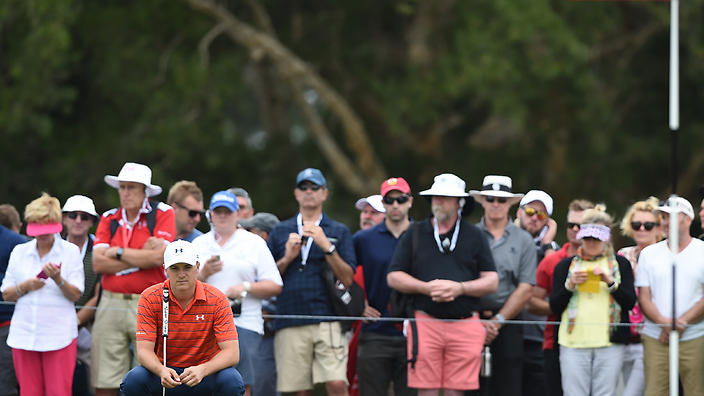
(312, 175)
(226, 199)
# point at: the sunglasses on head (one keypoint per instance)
(649, 225)
(401, 199)
(83, 216)
(191, 212)
(491, 198)
(306, 187)
(571, 226)
(530, 212)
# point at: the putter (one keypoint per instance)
(165, 327)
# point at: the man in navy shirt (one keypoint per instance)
(8, 383)
(381, 356)
(310, 351)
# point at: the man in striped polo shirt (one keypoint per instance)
(202, 344)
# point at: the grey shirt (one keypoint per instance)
(515, 260)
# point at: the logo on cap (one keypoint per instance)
(392, 182)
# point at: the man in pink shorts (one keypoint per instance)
(446, 264)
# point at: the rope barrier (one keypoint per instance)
(366, 319)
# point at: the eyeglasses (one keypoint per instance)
(490, 198)
(401, 199)
(532, 211)
(83, 216)
(191, 212)
(306, 187)
(571, 226)
(649, 225)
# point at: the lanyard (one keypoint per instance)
(446, 245)
(305, 249)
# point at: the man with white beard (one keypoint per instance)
(446, 264)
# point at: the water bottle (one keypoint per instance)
(485, 370)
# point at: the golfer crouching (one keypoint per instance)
(191, 352)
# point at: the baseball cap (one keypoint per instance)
(312, 175)
(395, 183)
(180, 251)
(678, 204)
(80, 203)
(373, 200)
(262, 220)
(538, 195)
(226, 199)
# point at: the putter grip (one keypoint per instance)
(165, 313)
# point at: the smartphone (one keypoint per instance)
(42, 275)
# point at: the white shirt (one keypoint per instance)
(655, 271)
(44, 319)
(245, 257)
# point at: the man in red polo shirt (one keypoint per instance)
(202, 344)
(128, 250)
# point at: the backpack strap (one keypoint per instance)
(151, 220)
(414, 328)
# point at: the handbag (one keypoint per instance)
(346, 301)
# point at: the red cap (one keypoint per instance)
(395, 183)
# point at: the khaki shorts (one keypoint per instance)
(308, 355)
(113, 332)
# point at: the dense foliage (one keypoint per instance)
(566, 96)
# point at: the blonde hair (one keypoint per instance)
(597, 215)
(182, 189)
(649, 205)
(45, 209)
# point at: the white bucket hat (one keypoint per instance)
(373, 200)
(497, 186)
(80, 203)
(133, 172)
(447, 185)
(180, 251)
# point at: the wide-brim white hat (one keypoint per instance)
(80, 203)
(134, 172)
(446, 185)
(497, 186)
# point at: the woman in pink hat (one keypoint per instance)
(592, 292)
(45, 277)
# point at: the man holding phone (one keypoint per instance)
(302, 247)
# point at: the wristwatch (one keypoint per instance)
(118, 254)
(500, 318)
(247, 286)
(332, 250)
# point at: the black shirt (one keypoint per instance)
(470, 257)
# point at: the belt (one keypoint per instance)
(121, 296)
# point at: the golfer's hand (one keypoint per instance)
(193, 375)
(169, 378)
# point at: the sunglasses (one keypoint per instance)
(530, 212)
(191, 212)
(83, 216)
(490, 198)
(571, 226)
(401, 199)
(306, 187)
(649, 225)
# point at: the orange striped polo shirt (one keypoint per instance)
(193, 332)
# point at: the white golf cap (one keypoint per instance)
(677, 204)
(373, 200)
(540, 196)
(80, 203)
(180, 251)
(446, 185)
(134, 172)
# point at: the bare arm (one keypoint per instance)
(342, 270)
(262, 289)
(14, 293)
(148, 359)
(228, 356)
(487, 283)
(150, 256)
(85, 315)
(537, 304)
(405, 283)
(517, 300)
